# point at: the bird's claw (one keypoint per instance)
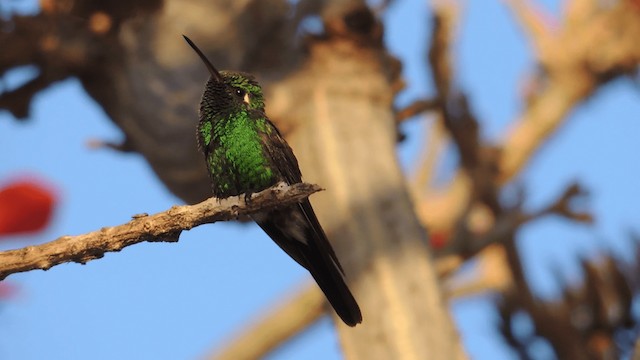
(247, 197)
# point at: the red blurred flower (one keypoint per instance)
(26, 206)
(438, 240)
(8, 290)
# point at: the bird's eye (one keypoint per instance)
(241, 94)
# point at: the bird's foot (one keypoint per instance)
(247, 197)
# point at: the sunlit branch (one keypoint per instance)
(161, 227)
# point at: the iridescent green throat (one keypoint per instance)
(237, 159)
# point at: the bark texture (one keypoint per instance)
(340, 104)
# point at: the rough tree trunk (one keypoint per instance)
(344, 135)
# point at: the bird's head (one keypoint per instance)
(229, 89)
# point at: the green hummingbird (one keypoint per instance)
(245, 153)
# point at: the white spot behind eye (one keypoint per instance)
(246, 99)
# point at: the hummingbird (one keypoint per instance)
(245, 153)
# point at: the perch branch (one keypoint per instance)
(165, 226)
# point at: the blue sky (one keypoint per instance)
(178, 301)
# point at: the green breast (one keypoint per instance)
(236, 157)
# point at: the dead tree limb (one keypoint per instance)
(165, 226)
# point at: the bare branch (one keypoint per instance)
(478, 160)
(532, 20)
(296, 313)
(593, 320)
(571, 72)
(281, 323)
(550, 330)
(454, 110)
(491, 274)
(636, 350)
(416, 108)
(445, 17)
(165, 226)
(562, 206)
(467, 241)
(436, 140)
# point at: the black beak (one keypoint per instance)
(214, 72)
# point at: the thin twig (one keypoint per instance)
(416, 108)
(165, 226)
(490, 274)
(436, 140)
(533, 21)
(636, 350)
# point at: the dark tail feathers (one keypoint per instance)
(314, 252)
(328, 277)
